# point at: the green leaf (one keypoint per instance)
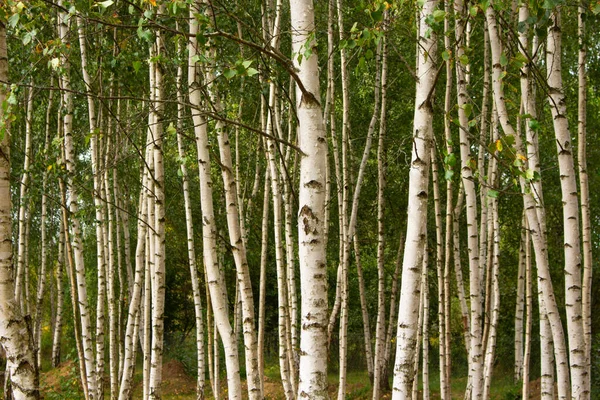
(106, 4)
(492, 193)
(503, 60)
(509, 140)
(445, 55)
(13, 20)
(464, 60)
(534, 125)
(450, 160)
(448, 174)
(468, 108)
(136, 66)
(251, 72)
(171, 129)
(229, 73)
(27, 38)
(377, 15)
(529, 174)
(439, 15)
(473, 11)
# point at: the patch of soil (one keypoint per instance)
(175, 379)
(66, 375)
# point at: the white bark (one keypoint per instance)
(528, 311)
(75, 225)
(417, 209)
(377, 368)
(311, 243)
(22, 261)
(586, 230)
(570, 201)
(13, 328)
(534, 214)
(468, 182)
(189, 225)
(215, 281)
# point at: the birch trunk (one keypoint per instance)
(99, 209)
(75, 225)
(351, 228)
(73, 287)
(134, 311)
(58, 274)
(475, 267)
(534, 215)
(189, 225)
(570, 201)
(236, 239)
(520, 310)
(21, 364)
(312, 382)
(417, 208)
(425, 334)
(22, 270)
(445, 374)
(586, 227)
(215, 279)
(44, 240)
(439, 260)
(263, 278)
(528, 311)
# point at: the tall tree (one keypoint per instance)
(16, 337)
(406, 338)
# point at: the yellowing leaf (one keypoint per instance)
(499, 145)
(153, 2)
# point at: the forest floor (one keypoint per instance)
(63, 383)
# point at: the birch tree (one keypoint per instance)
(417, 207)
(312, 382)
(21, 363)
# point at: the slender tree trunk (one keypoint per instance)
(439, 260)
(475, 269)
(570, 201)
(43, 220)
(58, 322)
(425, 334)
(263, 279)
(75, 225)
(22, 270)
(417, 208)
(215, 277)
(21, 364)
(312, 382)
(189, 224)
(534, 214)
(363, 308)
(586, 226)
(135, 311)
(449, 161)
(526, 243)
(74, 292)
(520, 310)
(381, 184)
